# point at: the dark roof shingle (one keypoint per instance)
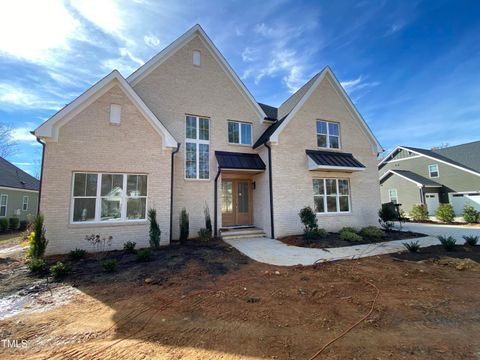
(14, 177)
(466, 154)
(416, 178)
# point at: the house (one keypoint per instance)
(410, 176)
(18, 192)
(183, 131)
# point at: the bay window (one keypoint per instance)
(331, 195)
(197, 148)
(239, 133)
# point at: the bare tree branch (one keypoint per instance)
(7, 144)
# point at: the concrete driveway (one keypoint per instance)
(457, 231)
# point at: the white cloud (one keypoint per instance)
(347, 85)
(23, 135)
(151, 40)
(249, 54)
(105, 14)
(126, 63)
(357, 84)
(15, 96)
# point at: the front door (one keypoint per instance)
(236, 202)
(431, 200)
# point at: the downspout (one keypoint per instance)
(41, 170)
(172, 166)
(272, 229)
(215, 197)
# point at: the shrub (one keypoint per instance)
(144, 255)
(23, 225)
(208, 219)
(470, 215)
(129, 247)
(77, 254)
(412, 246)
(3, 225)
(308, 219)
(387, 213)
(99, 243)
(184, 225)
(37, 265)
(37, 241)
(154, 232)
(471, 240)
(60, 270)
(109, 265)
(372, 232)
(448, 242)
(314, 234)
(348, 229)
(350, 236)
(445, 213)
(205, 234)
(419, 212)
(321, 233)
(13, 223)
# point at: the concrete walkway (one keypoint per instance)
(274, 252)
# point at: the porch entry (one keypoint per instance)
(236, 202)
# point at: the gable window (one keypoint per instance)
(197, 153)
(239, 133)
(433, 171)
(25, 203)
(197, 58)
(3, 205)
(328, 134)
(331, 195)
(108, 197)
(392, 196)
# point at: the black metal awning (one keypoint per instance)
(239, 161)
(332, 161)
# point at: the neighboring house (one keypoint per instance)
(410, 176)
(183, 131)
(18, 192)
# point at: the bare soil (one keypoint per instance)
(437, 251)
(208, 301)
(333, 239)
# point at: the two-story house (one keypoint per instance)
(183, 131)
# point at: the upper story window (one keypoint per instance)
(3, 205)
(239, 133)
(433, 171)
(197, 58)
(197, 148)
(392, 195)
(25, 203)
(328, 134)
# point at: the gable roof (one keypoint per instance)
(50, 128)
(412, 177)
(290, 107)
(465, 154)
(14, 177)
(171, 49)
(270, 111)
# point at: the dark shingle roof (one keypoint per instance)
(416, 178)
(331, 158)
(270, 111)
(234, 160)
(14, 177)
(466, 154)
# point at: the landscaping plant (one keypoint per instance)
(205, 234)
(100, 244)
(109, 265)
(419, 212)
(13, 223)
(470, 215)
(387, 215)
(372, 232)
(471, 240)
(309, 221)
(23, 225)
(77, 254)
(349, 229)
(350, 236)
(37, 240)
(129, 247)
(208, 219)
(154, 233)
(3, 225)
(445, 213)
(184, 225)
(412, 246)
(36, 265)
(144, 255)
(60, 270)
(448, 242)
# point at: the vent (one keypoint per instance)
(197, 58)
(115, 114)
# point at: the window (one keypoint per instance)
(115, 113)
(3, 205)
(109, 197)
(239, 133)
(25, 203)
(197, 58)
(331, 195)
(392, 195)
(197, 154)
(433, 171)
(328, 134)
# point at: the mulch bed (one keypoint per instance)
(437, 251)
(333, 240)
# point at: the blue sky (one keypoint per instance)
(411, 67)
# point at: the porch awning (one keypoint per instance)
(239, 161)
(332, 161)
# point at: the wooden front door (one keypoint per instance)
(236, 202)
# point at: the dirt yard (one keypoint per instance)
(207, 301)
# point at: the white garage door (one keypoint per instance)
(458, 201)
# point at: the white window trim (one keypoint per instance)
(197, 143)
(338, 212)
(240, 132)
(396, 195)
(328, 135)
(430, 172)
(98, 200)
(6, 204)
(25, 202)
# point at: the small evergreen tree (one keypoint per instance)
(208, 219)
(184, 225)
(37, 239)
(154, 232)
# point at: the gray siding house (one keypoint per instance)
(410, 176)
(18, 192)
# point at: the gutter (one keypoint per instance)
(172, 167)
(41, 170)
(270, 185)
(215, 197)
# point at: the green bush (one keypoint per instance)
(372, 232)
(13, 223)
(448, 242)
(154, 232)
(471, 240)
(388, 213)
(470, 215)
(412, 246)
(36, 265)
(23, 225)
(144, 255)
(348, 229)
(419, 212)
(205, 234)
(308, 219)
(37, 241)
(109, 265)
(350, 236)
(184, 225)
(445, 213)
(77, 254)
(3, 225)
(129, 247)
(208, 219)
(60, 270)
